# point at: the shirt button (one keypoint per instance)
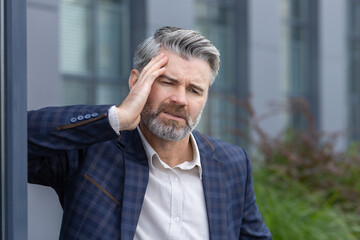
(176, 219)
(73, 119)
(80, 117)
(87, 116)
(94, 115)
(175, 179)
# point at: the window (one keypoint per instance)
(354, 69)
(301, 59)
(95, 50)
(225, 23)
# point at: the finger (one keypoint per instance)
(150, 76)
(153, 61)
(154, 65)
(144, 83)
(154, 75)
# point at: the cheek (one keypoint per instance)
(158, 94)
(197, 108)
(157, 99)
(154, 96)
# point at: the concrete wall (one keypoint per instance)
(44, 85)
(44, 89)
(169, 13)
(266, 67)
(333, 76)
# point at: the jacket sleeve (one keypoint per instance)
(253, 226)
(58, 138)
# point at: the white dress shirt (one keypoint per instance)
(174, 205)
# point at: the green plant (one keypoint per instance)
(307, 155)
(291, 211)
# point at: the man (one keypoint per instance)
(140, 170)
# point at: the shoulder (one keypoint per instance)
(222, 151)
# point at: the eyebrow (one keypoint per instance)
(200, 89)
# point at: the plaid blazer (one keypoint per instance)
(101, 178)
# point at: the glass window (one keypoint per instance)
(219, 21)
(301, 54)
(77, 91)
(354, 69)
(76, 52)
(94, 45)
(113, 43)
(110, 93)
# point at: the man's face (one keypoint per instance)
(177, 98)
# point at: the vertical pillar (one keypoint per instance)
(13, 120)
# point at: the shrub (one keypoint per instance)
(292, 212)
(307, 157)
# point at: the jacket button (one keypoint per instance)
(73, 120)
(87, 116)
(80, 117)
(94, 115)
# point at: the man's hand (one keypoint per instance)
(140, 86)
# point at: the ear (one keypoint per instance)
(134, 76)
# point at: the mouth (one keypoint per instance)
(173, 116)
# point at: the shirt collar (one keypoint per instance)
(150, 153)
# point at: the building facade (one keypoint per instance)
(274, 51)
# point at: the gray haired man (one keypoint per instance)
(139, 170)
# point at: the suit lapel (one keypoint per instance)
(135, 181)
(214, 191)
(137, 175)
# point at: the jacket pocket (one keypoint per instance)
(102, 189)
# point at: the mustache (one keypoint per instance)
(173, 109)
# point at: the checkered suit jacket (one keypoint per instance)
(101, 179)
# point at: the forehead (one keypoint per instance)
(193, 69)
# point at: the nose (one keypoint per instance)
(179, 97)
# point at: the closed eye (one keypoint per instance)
(167, 83)
(192, 90)
(167, 80)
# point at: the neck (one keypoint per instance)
(172, 153)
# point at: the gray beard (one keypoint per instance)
(168, 130)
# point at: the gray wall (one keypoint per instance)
(333, 84)
(44, 86)
(266, 83)
(267, 67)
(44, 89)
(169, 13)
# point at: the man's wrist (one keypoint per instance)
(114, 119)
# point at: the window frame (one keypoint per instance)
(136, 21)
(13, 110)
(311, 77)
(353, 36)
(211, 123)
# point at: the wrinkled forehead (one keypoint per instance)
(191, 69)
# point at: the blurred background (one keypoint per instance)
(288, 91)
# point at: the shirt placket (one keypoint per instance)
(176, 206)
